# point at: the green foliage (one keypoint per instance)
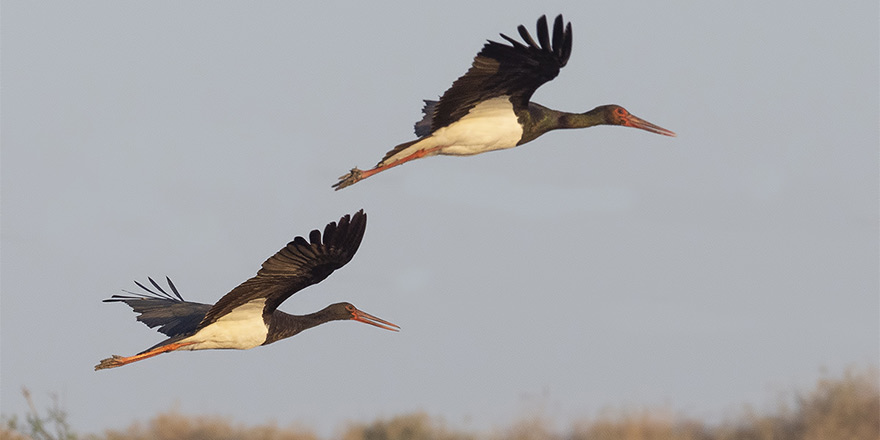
(846, 408)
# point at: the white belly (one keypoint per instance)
(491, 125)
(242, 329)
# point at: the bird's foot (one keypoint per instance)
(111, 362)
(354, 176)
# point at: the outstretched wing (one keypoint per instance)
(298, 265)
(171, 314)
(514, 70)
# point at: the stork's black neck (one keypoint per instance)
(283, 325)
(537, 120)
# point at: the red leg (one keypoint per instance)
(356, 175)
(118, 361)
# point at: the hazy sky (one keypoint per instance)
(589, 268)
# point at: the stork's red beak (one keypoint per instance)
(632, 121)
(366, 318)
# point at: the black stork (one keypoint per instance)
(488, 108)
(247, 317)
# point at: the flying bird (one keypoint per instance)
(247, 316)
(488, 107)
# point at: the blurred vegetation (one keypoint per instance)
(418, 426)
(844, 408)
(175, 426)
(52, 426)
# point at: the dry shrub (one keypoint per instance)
(847, 408)
(417, 426)
(175, 426)
(640, 425)
(37, 426)
(11, 434)
(535, 427)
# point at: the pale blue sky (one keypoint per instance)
(589, 268)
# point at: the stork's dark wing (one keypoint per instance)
(298, 265)
(171, 314)
(515, 70)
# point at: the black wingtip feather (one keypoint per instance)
(173, 288)
(544, 34)
(159, 288)
(330, 230)
(558, 35)
(513, 42)
(299, 241)
(144, 287)
(339, 234)
(150, 293)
